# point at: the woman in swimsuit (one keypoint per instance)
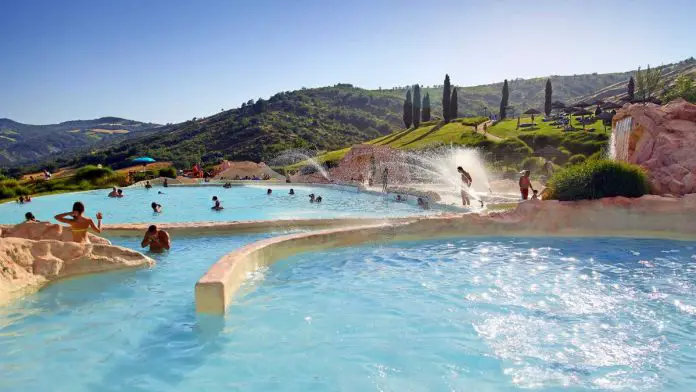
(79, 223)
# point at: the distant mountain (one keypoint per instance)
(326, 118)
(23, 143)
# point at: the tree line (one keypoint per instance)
(417, 110)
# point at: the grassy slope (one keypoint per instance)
(508, 128)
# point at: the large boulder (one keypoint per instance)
(662, 140)
(35, 254)
(46, 231)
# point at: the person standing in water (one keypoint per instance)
(80, 224)
(385, 179)
(158, 240)
(525, 185)
(466, 180)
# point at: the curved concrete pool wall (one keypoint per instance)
(647, 217)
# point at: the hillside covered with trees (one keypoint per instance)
(332, 118)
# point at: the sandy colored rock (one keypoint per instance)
(26, 265)
(47, 231)
(663, 141)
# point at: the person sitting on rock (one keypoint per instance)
(157, 240)
(80, 224)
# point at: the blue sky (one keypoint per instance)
(168, 61)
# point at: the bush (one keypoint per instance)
(577, 159)
(595, 179)
(92, 173)
(533, 163)
(6, 192)
(168, 172)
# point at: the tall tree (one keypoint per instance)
(416, 106)
(631, 88)
(504, 100)
(648, 82)
(426, 108)
(446, 96)
(454, 108)
(408, 110)
(547, 98)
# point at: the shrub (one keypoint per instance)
(595, 179)
(92, 173)
(533, 163)
(168, 172)
(6, 192)
(577, 159)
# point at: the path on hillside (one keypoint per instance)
(488, 135)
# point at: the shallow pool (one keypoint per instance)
(192, 204)
(460, 315)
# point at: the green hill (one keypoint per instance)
(328, 119)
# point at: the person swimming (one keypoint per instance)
(466, 180)
(423, 204)
(20, 200)
(156, 207)
(292, 192)
(400, 199)
(114, 192)
(311, 198)
(157, 240)
(165, 183)
(120, 193)
(29, 217)
(269, 191)
(79, 223)
(217, 206)
(227, 185)
(318, 199)
(160, 193)
(148, 185)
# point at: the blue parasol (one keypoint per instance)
(143, 160)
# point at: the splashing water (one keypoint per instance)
(438, 169)
(290, 157)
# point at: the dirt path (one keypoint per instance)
(489, 136)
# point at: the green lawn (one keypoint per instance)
(508, 128)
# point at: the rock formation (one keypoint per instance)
(662, 140)
(29, 262)
(46, 231)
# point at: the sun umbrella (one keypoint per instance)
(583, 113)
(143, 160)
(605, 117)
(532, 112)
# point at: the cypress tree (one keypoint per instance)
(408, 110)
(547, 98)
(454, 108)
(504, 100)
(426, 108)
(446, 95)
(416, 106)
(631, 88)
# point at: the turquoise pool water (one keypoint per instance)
(192, 204)
(461, 315)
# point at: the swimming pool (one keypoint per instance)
(485, 314)
(192, 204)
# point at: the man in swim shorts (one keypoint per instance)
(525, 185)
